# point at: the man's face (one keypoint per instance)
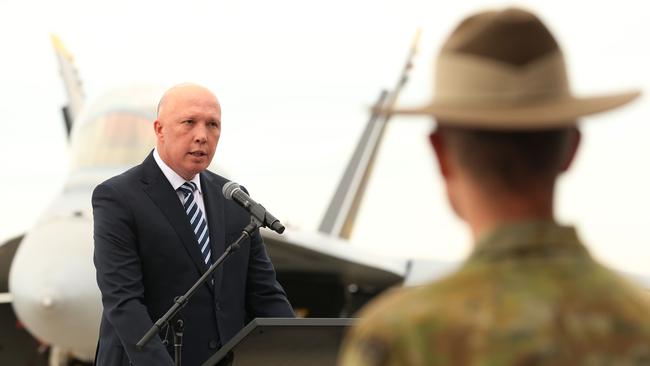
(188, 129)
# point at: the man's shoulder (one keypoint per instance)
(607, 292)
(397, 308)
(213, 178)
(124, 179)
(394, 323)
(216, 181)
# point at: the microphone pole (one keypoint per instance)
(181, 301)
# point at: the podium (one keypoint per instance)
(284, 342)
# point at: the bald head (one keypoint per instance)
(181, 90)
(188, 127)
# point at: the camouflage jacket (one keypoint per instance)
(529, 294)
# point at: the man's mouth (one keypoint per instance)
(198, 154)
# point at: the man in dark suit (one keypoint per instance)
(159, 226)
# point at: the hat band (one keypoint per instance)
(472, 81)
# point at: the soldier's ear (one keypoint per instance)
(437, 140)
(572, 148)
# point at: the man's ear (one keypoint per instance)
(157, 128)
(442, 155)
(574, 141)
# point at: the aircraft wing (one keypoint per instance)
(310, 252)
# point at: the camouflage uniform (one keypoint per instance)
(530, 294)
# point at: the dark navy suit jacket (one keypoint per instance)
(146, 254)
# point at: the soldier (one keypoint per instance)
(530, 293)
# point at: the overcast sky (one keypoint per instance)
(295, 79)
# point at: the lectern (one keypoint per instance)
(284, 342)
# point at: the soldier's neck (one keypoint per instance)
(485, 211)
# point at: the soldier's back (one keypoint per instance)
(528, 295)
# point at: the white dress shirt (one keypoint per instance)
(176, 181)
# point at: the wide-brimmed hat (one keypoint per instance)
(505, 70)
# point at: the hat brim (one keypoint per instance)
(551, 114)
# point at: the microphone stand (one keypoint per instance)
(173, 314)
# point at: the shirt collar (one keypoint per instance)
(174, 179)
(528, 238)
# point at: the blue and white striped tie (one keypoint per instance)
(197, 221)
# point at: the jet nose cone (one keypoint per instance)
(52, 280)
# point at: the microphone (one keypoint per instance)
(233, 191)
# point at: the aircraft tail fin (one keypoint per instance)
(71, 80)
(341, 214)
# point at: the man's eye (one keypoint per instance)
(188, 121)
(214, 124)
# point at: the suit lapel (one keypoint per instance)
(214, 206)
(163, 195)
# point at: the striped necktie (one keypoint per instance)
(197, 221)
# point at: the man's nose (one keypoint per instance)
(201, 134)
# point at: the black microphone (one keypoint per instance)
(233, 191)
